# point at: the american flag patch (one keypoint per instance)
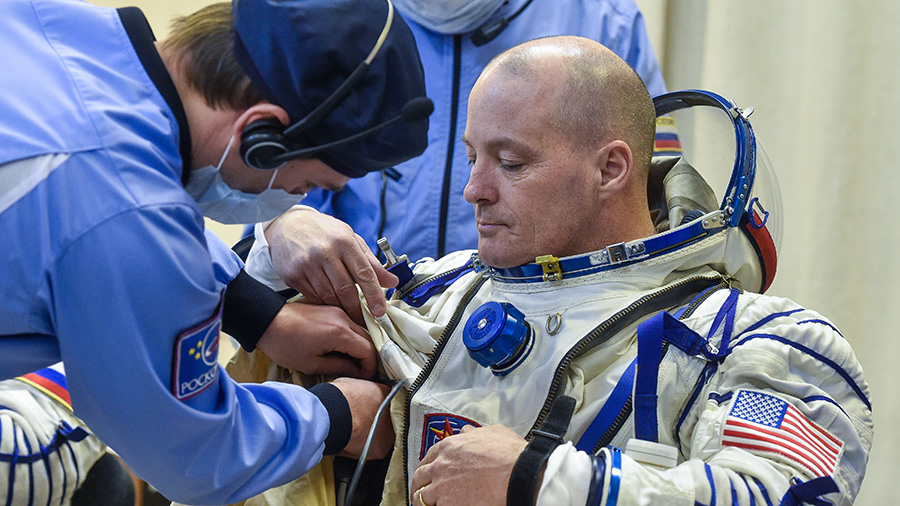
(764, 424)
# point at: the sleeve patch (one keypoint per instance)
(766, 425)
(196, 357)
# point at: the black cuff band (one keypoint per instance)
(339, 414)
(250, 307)
(598, 471)
(523, 482)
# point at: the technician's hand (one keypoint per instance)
(472, 467)
(322, 258)
(318, 339)
(364, 398)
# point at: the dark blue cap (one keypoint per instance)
(297, 52)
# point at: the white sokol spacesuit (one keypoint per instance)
(585, 337)
(45, 451)
(734, 398)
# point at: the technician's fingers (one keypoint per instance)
(342, 275)
(375, 299)
(321, 284)
(340, 365)
(359, 346)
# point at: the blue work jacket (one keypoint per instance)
(106, 264)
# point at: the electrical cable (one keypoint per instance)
(365, 451)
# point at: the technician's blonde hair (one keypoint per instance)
(202, 45)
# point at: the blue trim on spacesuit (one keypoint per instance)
(763, 491)
(615, 477)
(78, 472)
(809, 492)
(610, 410)
(712, 484)
(767, 319)
(749, 493)
(823, 322)
(823, 398)
(30, 474)
(827, 361)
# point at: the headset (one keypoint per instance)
(266, 144)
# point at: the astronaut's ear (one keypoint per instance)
(615, 163)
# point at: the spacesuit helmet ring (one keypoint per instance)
(714, 135)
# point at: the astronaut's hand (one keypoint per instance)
(472, 467)
(318, 339)
(364, 398)
(322, 258)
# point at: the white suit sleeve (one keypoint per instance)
(785, 413)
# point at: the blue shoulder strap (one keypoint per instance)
(421, 293)
(652, 334)
(610, 410)
(809, 492)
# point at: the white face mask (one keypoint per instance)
(224, 204)
(449, 16)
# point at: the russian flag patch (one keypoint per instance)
(666, 141)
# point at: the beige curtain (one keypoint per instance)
(821, 77)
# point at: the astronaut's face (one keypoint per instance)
(533, 190)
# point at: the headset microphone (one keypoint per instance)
(267, 144)
(416, 109)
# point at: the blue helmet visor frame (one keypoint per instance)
(752, 197)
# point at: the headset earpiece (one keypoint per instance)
(262, 141)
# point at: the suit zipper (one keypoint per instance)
(623, 415)
(438, 348)
(670, 296)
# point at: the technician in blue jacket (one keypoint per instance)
(113, 148)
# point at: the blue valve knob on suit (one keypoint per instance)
(498, 337)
